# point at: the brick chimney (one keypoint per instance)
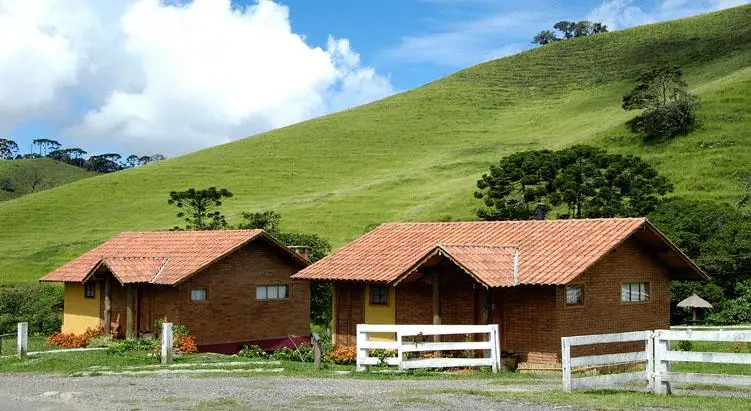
(301, 250)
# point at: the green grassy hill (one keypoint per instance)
(417, 155)
(50, 172)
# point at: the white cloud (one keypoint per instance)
(467, 42)
(171, 77)
(621, 14)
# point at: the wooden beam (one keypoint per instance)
(130, 313)
(107, 306)
(437, 302)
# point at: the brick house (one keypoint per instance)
(228, 287)
(538, 280)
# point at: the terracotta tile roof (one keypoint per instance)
(491, 264)
(550, 251)
(135, 269)
(161, 257)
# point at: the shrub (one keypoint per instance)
(121, 347)
(684, 345)
(667, 121)
(101, 341)
(252, 351)
(186, 344)
(38, 304)
(343, 355)
(70, 340)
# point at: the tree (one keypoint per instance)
(717, 237)
(584, 181)
(199, 208)
(598, 28)
(45, 145)
(545, 37)
(144, 160)
(8, 149)
(59, 155)
(566, 27)
(157, 158)
(668, 105)
(30, 178)
(132, 161)
(268, 221)
(104, 163)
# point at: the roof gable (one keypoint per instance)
(550, 251)
(162, 257)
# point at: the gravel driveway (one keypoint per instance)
(45, 392)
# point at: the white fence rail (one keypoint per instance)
(568, 363)
(657, 355)
(664, 356)
(409, 339)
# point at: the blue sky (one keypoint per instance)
(105, 80)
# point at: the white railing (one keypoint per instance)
(663, 357)
(569, 364)
(414, 335)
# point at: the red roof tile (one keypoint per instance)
(550, 251)
(162, 257)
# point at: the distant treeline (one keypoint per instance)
(569, 30)
(102, 163)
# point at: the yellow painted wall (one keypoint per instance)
(80, 313)
(380, 314)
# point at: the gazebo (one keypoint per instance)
(693, 302)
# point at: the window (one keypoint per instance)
(634, 292)
(199, 294)
(89, 290)
(272, 292)
(574, 295)
(379, 295)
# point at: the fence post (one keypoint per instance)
(23, 339)
(362, 353)
(662, 367)
(494, 348)
(166, 343)
(399, 353)
(566, 364)
(650, 362)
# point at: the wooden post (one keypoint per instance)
(436, 302)
(166, 343)
(566, 364)
(130, 313)
(22, 340)
(107, 307)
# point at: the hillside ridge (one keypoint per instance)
(416, 156)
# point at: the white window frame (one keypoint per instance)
(638, 288)
(205, 294)
(272, 292)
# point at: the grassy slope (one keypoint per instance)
(417, 155)
(58, 173)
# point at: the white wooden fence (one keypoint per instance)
(663, 355)
(657, 356)
(568, 363)
(409, 339)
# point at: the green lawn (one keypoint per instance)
(417, 155)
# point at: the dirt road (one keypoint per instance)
(45, 392)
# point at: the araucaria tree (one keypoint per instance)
(578, 182)
(668, 106)
(570, 29)
(199, 208)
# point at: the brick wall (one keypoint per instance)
(348, 306)
(232, 313)
(527, 319)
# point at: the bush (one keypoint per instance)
(101, 341)
(343, 355)
(252, 351)
(684, 345)
(70, 340)
(303, 352)
(666, 121)
(38, 304)
(121, 347)
(186, 344)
